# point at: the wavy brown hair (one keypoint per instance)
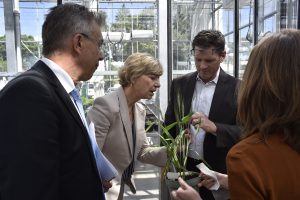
(269, 97)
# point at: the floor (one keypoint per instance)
(147, 183)
(147, 179)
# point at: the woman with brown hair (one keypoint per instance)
(265, 164)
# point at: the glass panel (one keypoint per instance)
(268, 17)
(188, 18)
(225, 23)
(3, 66)
(182, 17)
(246, 44)
(31, 19)
(246, 40)
(130, 27)
(228, 63)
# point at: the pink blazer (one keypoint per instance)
(114, 136)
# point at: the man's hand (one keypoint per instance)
(185, 192)
(106, 185)
(199, 120)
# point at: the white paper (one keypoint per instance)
(205, 170)
(107, 170)
(173, 175)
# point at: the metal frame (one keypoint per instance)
(236, 38)
(298, 25)
(255, 19)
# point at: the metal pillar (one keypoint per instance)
(11, 54)
(236, 38)
(165, 57)
(17, 27)
(255, 20)
(298, 11)
(164, 50)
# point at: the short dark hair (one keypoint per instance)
(209, 38)
(63, 21)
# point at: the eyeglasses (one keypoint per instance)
(99, 44)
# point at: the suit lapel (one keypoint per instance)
(125, 117)
(61, 92)
(219, 95)
(139, 123)
(42, 68)
(189, 92)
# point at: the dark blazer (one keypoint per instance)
(222, 112)
(45, 151)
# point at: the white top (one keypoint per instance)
(63, 77)
(201, 102)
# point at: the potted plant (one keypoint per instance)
(177, 149)
(177, 152)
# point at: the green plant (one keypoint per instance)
(177, 148)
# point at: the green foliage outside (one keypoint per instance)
(118, 52)
(3, 65)
(86, 102)
(182, 34)
(30, 51)
(125, 22)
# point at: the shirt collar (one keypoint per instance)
(63, 77)
(215, 80)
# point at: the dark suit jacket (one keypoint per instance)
(45, 152)
(222, 112)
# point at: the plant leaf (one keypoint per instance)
(186, 119)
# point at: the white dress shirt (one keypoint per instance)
(201, 102)
(63, 77)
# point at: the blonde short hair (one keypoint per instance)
(136, 65)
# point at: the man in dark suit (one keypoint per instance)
(211, 94)
(45, 149)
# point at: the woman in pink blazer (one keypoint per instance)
(119, 121)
